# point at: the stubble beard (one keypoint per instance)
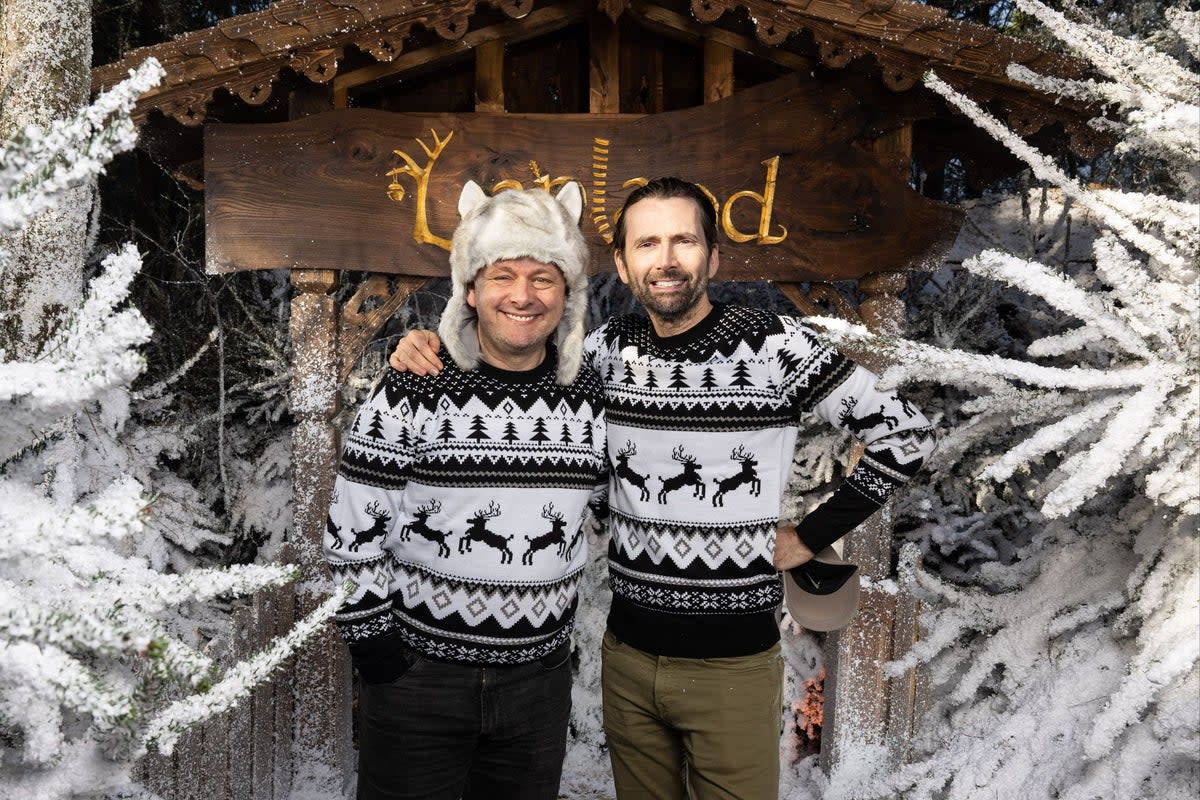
(672, 309)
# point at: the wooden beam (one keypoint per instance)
(536, 23)
(489, 76)
(604, 65)
(718, 70)
(685, 28)
(321, 680)
(656, 105)
(894, 148)
(313, 98)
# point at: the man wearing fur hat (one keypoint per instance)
(458, 513)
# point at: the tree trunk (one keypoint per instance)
(45, 61)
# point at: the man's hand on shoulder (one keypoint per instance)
(790, 552)
(417, 353)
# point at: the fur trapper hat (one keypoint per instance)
(514, 224)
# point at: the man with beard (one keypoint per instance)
(703, 404)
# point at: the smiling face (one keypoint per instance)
(667, 262)
(519, 303)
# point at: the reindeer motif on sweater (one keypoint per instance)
(684, 570)
(430, 491)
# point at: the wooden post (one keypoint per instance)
(322, 756)
(489, 76)
(718, 70)
(604, 74)
(863, 707)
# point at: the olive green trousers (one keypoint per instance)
(700, 728)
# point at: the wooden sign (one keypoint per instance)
(377, 191)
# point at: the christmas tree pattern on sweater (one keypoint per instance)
(702, 428)
(459, 507)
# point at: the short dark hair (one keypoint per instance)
(665, 189)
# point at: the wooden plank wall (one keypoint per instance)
(237, 755)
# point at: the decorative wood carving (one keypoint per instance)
(537, 23)
(772, 31)
(837, 51)
(245, 54)
(516, 8)
(708, 10)
(453, 26)
(684, 27)
(319, 66)
(358, 326)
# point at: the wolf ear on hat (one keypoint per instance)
(472, 195)
(570, 197)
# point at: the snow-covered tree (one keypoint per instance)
(96, 662)
(1062, 642)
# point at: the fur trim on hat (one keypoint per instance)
(517, 224)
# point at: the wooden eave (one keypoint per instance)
(246, 54)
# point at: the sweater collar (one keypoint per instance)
(692, 334)
(543, 370)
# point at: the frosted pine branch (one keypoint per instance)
(1061, 645)
(91, 646)
(1046, 170)
(1049, 439)
(916, 361)
(40, 166)
(1067, 296)
(1155, 309)
(164, 731)
(205, 584)
(1121, 59)
(1087, 472)
(1169, 651)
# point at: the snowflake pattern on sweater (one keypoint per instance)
(458, 511)
(702, 428)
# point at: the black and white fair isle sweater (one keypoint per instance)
(458, 512)
(701, 432)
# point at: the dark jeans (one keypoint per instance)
(454, 730)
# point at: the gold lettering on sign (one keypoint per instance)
(545, 182)
(599, 191)
(712, 198)
(420, 175)
(766, 200)
(599, 182)
(507, 183)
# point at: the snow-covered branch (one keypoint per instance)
(1059, 528)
